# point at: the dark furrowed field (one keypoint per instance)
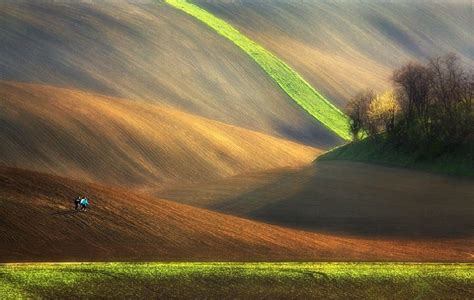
(238, 280)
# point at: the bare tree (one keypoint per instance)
(451, 89)
(467, 91)
(413, 82)
(446, 77)
(467, 102)
(357, 109)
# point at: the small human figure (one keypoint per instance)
(77, 202)
(84, 204)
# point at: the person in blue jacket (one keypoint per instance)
(84, 203)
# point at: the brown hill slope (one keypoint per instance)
(344, 198)
(38, 223)
(147, 50)
(342, 46)
(96, 138)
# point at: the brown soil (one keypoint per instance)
(342, 197)
(147, 50)
(39, 224)
(109, 140)
(341, 47)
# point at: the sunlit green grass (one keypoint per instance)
(237, 280)
(289, 80)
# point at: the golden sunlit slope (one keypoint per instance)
(147, 50)
(344, 197)
(96, 138)
(39, 224)
(343, 46)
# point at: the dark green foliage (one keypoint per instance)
(387, 150)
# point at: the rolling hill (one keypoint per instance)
(137, 104)
(39, 224)
(340, 46)
(458, 161)
(343, 197)
(290, 81)
(148, 51)
(103, 139)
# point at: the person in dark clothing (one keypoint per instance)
(77, 202)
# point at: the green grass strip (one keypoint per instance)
(289, 80)
(236, 280)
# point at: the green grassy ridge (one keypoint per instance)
(289, 80)
(237, 280)
(384, 152)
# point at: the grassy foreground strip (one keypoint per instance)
(237, 280)
(289, 80)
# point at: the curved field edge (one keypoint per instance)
(384, 152)
(241, 280)
(288, 79)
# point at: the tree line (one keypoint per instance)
(430, 107)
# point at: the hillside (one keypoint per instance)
(290, 81)
(147, 51)
(343, 197)
(385, 152)
(341, 46)
(38, 224)
(96, 138)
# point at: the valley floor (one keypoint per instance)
(237, 280)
